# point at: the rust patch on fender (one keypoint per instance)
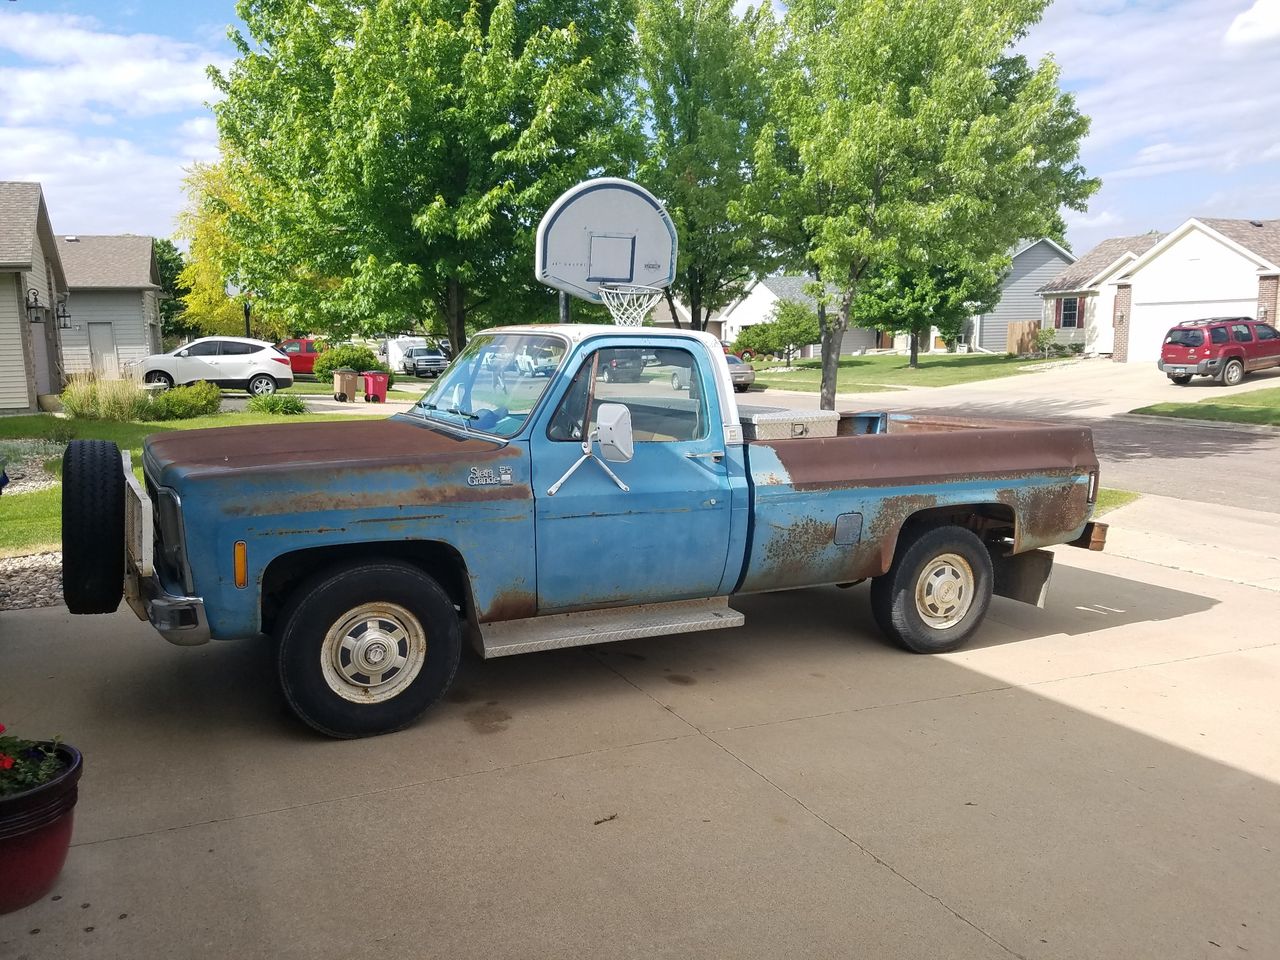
(510, 605)
(796, 545)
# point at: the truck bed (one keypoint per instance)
(829, 510)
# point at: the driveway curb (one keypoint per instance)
(1229, 424)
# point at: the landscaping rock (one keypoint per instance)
(28, 475)
(32, 581)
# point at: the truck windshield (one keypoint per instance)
(495, 383)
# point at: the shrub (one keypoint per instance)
(88, 398)
(1077, 348)
(284, 404)
(357, 358)
(1044, 339)
(182, 403)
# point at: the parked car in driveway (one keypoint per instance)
(429, 361)
(233, 363)
(302, 353)
(1223, 348)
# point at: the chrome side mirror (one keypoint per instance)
(613, 423)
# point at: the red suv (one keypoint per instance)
(302, 353)
(1225, 348)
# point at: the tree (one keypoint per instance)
(899, 300)
(169, 263)
(791, 327)
(397, 154)
(907, 139)
(702, 104)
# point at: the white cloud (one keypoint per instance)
(73, 71)
(1259, 24)
(1101, 220)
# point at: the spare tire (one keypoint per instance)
(92, 526)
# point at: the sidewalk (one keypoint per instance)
(1211, 539)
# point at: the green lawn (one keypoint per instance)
(32, 522)
(1109, 500)
(1257, 406)
(884, 372)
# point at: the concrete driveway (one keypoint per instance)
(1097, 779)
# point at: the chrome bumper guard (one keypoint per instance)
(179, 620)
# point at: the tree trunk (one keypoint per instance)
(915, 349)
(695, 309)
(832, 336)
(671, 305)
(456, 314)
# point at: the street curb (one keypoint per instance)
(1228, 424)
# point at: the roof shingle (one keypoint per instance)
(1076, 275)
(103, 262)
(1263, 239)
(19, 208)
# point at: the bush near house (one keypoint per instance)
(357, 358)
(123, 401)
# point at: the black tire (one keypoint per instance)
(318, 608)
(893, 596)
(261, 385)
(1181, 379)
(340, 397)
(1232, 373)
(740, 387)
(159, 376)
(92, 526)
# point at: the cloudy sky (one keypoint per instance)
(104, 104)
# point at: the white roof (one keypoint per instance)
(577, 332)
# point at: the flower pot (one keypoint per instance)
(35, 834)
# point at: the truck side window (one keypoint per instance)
(662, 389)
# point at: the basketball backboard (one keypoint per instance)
(605, 231)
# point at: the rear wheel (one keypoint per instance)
(1181, 379)
(366, 649)
(262, 385)
(740, 387)
(92, 526)
(936, 593)
(1232, 373)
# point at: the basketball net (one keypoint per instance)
(629, 303)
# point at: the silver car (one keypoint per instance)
(741, 372)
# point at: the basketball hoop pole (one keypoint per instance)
(564, 307)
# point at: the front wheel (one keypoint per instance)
(936, 593)
(1181, 379)
(160, 378)
(365, 649)
(262, 386)
(1232, 373)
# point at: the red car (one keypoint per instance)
(302, 353)
(1224, 348)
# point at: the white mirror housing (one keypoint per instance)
(613, 425)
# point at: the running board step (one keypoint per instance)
(605, 626)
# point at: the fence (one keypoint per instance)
(1021, 336)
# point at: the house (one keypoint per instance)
(115, 287)
(661, 317)
(1207, 267)
(762, 296)
(1079, 301)
(33, 293)
(1031, 266)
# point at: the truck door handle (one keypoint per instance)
(713, 455)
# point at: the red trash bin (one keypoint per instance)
(375, 386)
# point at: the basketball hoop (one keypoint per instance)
(629, 303)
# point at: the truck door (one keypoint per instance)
(667, 536)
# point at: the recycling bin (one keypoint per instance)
(375, 386)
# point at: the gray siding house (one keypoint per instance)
(115, 287)
(1033, 266)
(32, 286)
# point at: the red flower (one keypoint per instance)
(1, 728)
(6, 762)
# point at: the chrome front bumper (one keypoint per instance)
(180, 620)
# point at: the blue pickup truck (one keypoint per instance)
(525, 513)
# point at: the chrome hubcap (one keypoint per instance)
(944, 592)
(262, 387)
(373, 653)
(1233, 374)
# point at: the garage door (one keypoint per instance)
(1151, 321)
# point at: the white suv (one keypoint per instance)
(235, 363)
